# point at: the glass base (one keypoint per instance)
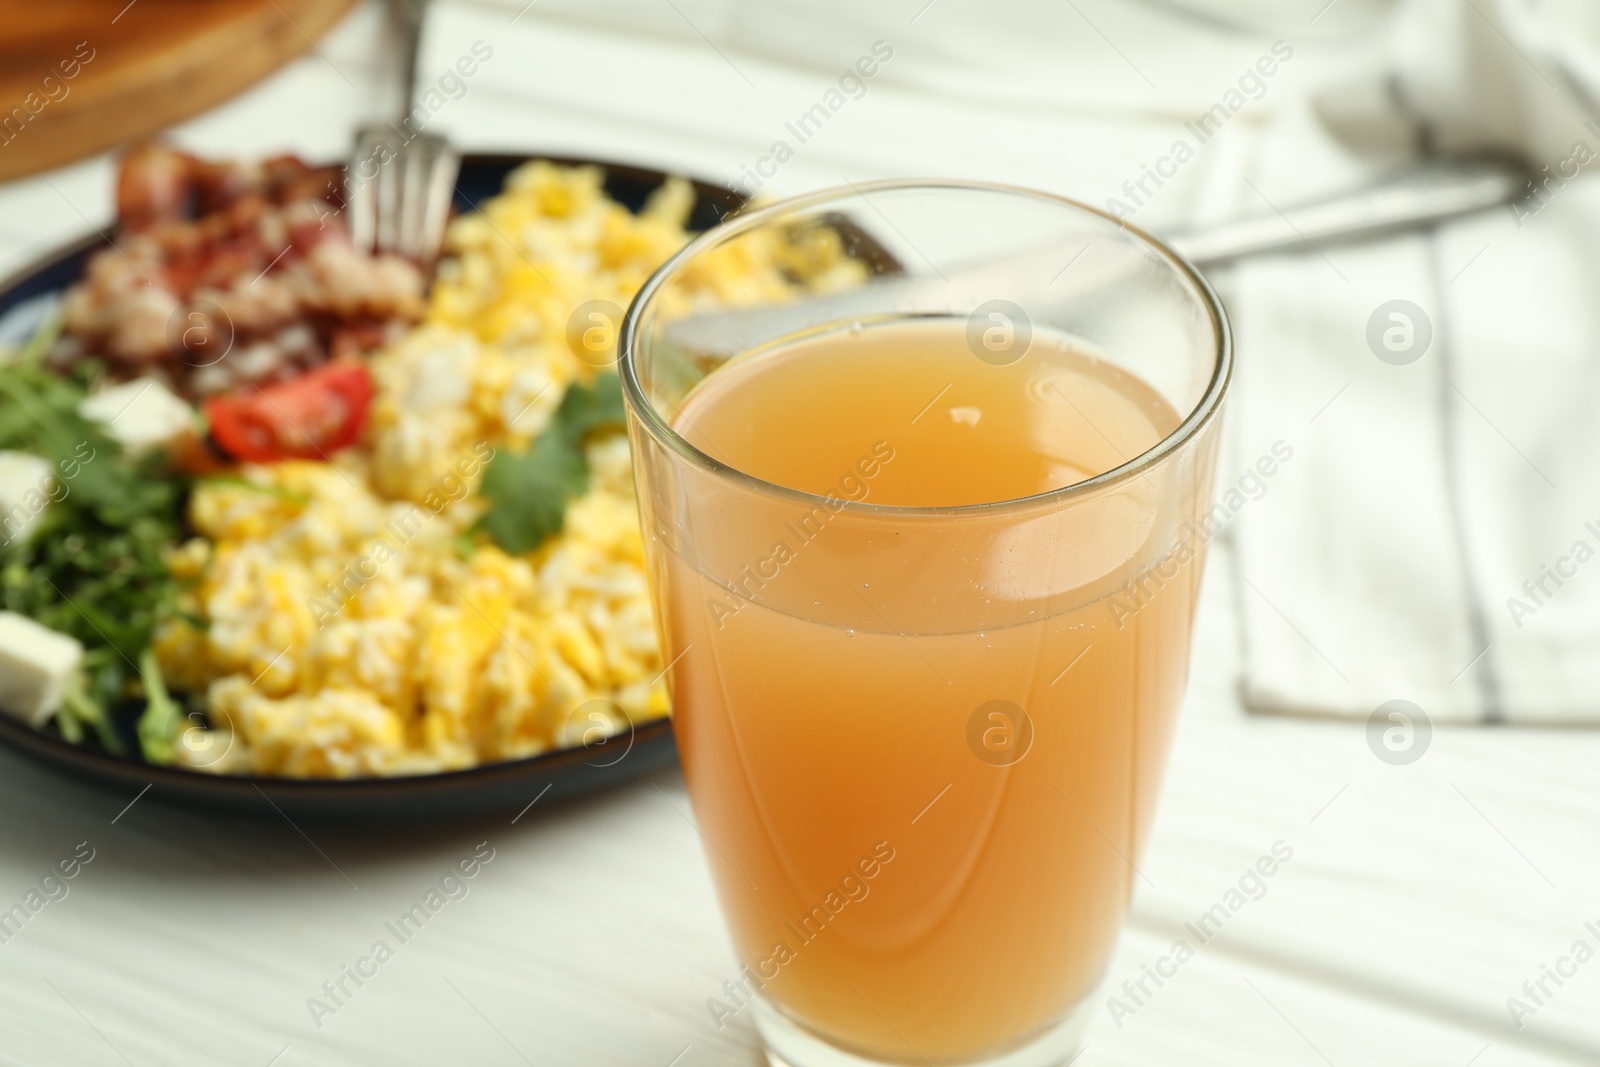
(789, 1044)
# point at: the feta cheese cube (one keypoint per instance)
(36, 663)
(140, 415)
(27, 485)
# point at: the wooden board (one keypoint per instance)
(80, 76)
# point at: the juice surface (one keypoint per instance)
(963, 431)
(923, 835)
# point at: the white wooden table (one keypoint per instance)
(1418, 899)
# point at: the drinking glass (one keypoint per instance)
(924, 744)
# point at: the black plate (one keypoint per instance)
(497, 786)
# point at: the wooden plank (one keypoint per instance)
(81, 76)
(592, 936)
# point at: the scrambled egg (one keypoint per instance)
(348, 629)
(353, 624)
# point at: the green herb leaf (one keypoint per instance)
(528, 492)
(584, 410)
(94, 565)
(32, 351)
(162, 717)
(90, 692)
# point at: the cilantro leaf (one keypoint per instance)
(584, 410)
(528, 492)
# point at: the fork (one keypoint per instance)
(399, 180)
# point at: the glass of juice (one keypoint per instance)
(925, 472)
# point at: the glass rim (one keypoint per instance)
(661, 430)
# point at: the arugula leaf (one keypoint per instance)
(94, 565)
(31, 352)
(89, 694)
(528, 492)
(162, 716)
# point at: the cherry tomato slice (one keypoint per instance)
(310, 417)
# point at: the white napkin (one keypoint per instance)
(1436, 535)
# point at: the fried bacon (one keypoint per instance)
(227, 273)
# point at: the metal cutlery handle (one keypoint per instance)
(408, 17)
(1426, 195)
(1429, 194)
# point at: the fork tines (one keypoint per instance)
(397, 192)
